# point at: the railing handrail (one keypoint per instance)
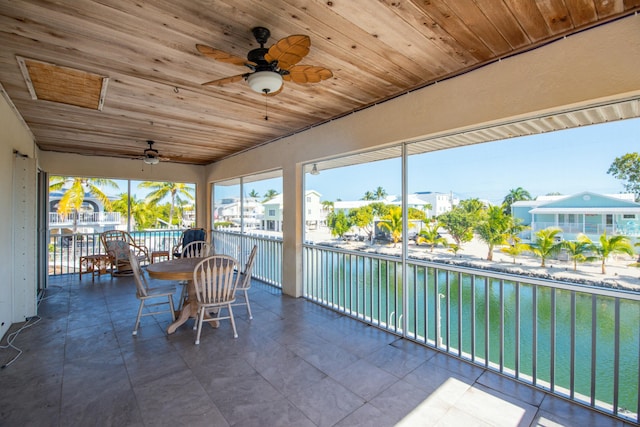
(84, 217)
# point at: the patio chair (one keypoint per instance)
(245, 281)
(145, 293)
(197, 249)
(215, 284)
(189, 235)
(118, 244)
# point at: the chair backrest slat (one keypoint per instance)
(215, 279)
(197, 249)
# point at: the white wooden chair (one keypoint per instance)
(196, 249)
(189, 235)
(215, 281)
(245, 281)
(145, 293)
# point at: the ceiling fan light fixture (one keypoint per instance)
(151, 160)
(151, 155)
(265, 81)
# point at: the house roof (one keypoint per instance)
(586, 202)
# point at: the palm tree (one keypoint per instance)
(472, 206)
(136, 209)
(637, 263)
(545, 245)
(76, 191)
(454, 248)
(493, 228)
(514, 230)
(380, 193)
(430, 235)
(609, 246)
(175, 190)
(327, 206)
(369, 196)
(578, 250)
(270, 194)
(392, 222)
(427, 208)
(254, 194)
(515, 248)
(515, 195)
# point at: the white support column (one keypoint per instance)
(292, 230)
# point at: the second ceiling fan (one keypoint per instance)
(269, 67)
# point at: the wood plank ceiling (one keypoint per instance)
(146, 50)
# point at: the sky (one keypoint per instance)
(566, 162)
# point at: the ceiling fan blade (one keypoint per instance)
(222, 56)
(307, 74)
(225, 80)
(289, 51)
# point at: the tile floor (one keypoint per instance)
(295, 364)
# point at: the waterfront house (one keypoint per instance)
(248, 211)
(440, 202)
(273, 214)
(91, 217)
(586, 213)
(315, 216)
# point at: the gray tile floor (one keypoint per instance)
(295, 364)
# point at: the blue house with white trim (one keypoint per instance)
(584, 213)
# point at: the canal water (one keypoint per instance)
(373, 289)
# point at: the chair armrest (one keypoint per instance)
(140, 251)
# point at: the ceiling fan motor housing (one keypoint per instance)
(257, 56)
(261, 35)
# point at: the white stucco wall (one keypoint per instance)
(593, 66)
(14, 136)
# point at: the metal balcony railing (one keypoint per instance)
(65, 250)
(576, 341)
(105, 218)
(268, 262)
(574, 229)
